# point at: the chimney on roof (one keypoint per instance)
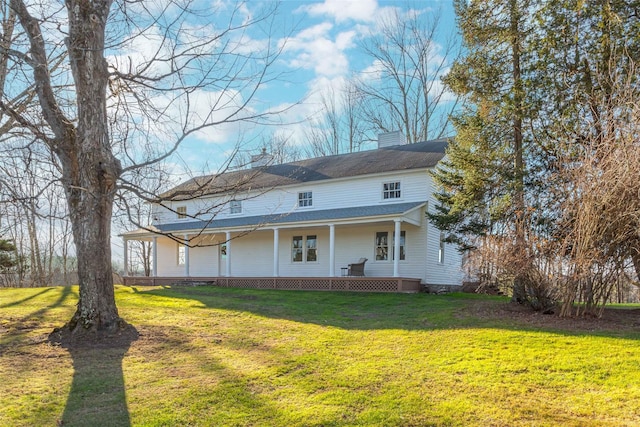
(261, 160)
(389, 139)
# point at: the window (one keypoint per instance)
(382, 246)
(312, 249)
(402, 252)
(296, 249)
(304, 249)
(181, 254)
(391, 190)
(441, 250)
(182, 212)
(305, 199)
(235, 207)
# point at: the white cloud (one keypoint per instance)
(344, 10)
(316, 49)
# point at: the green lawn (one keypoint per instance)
(228, 357)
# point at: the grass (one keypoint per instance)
(228, 357)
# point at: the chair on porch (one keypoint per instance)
(357, 268)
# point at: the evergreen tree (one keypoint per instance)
(483, 178)
(550, 89)
(7, 255)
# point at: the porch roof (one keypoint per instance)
(381, 211)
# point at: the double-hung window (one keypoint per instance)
(391, 190)
(402, 244)
(304, 248)
(182, 254)
(312, 249)
(181, 211)
(383, 244)
(235, 207)
(305, 199)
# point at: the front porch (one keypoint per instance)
(362, 284)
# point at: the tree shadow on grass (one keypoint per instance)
(22, 301)
(16, 330)
(98, 394)
(345, 310)
(368, 311)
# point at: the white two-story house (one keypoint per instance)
(300, 224)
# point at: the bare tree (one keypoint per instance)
(32, 200)
(402, 89)
(339, 128)
(277, 146)
(189, 77)
(598, 232)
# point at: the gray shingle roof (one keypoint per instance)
(395, 158)
(296, 216)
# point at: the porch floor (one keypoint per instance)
(348, 283)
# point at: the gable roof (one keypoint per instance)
(421, 155)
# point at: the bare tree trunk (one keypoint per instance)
(519, 287)
(91, 190)
(89, 169)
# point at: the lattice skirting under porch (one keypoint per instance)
(364, 284)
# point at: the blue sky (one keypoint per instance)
(321, 52)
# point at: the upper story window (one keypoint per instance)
(182, 212)
(305, 199)
(391, 190)
(235, 207)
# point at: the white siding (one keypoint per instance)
(252, 254)
(447, 273)
(328, 194)
(168, 258)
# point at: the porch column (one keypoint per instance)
(396, 248)
(276, 252)
(126, 255)
(186, 255)
(228, 260)
(332, 250)
(154, 254)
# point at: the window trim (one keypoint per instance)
(308, 249)
(181, 211)
(403, 247)
(379, 246)
(441, 248)
(305, 199)
(181, 254)
(235, 207)
(389, 246)
(304, 248)
(397, 189)
(295, 249)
